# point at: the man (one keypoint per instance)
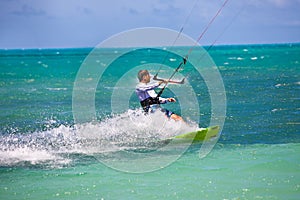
(148, 97)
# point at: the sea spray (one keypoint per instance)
(110, 135)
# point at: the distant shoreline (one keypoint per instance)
(204, 46)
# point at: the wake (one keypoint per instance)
(58, 147)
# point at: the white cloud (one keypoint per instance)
(274, 3)
(27, 10)
(281, 3)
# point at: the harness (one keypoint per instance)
(148, 102)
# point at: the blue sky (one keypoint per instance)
(85, 23)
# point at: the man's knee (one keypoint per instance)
(176, 117)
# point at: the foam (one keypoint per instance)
(52, 147)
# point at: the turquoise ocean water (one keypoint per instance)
(256, 156)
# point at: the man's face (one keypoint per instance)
(147, 78)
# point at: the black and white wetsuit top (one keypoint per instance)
(148, 97)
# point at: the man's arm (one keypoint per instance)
(145, 87)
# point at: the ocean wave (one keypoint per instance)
(56, 89)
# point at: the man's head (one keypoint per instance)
(144, 76)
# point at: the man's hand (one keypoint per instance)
(171, 100)
(161, 82)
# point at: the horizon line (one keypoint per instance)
(90, 47)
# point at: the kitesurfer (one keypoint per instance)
(148, 97)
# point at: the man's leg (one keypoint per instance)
(176, 117)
